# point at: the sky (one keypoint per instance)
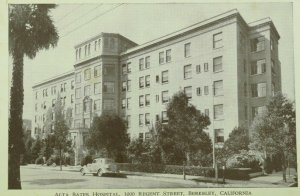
(142, 23)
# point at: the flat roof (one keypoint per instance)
(71, 72)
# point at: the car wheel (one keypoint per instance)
(100, 173)
(82, 172)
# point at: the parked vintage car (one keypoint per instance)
(99, 167)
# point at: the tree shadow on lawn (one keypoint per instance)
(55, 181)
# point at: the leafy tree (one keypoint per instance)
(60, 136)
(147, 151)
(47, 146)
(28, 141)
(183, 134)
(274, 132)
(36, 148)
(108, 133)
(30, 30)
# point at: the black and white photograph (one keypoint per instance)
(151, 96)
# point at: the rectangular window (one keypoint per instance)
(206, 90)
(218, 111)
(87, 90)
(123, 103)
(86, 106)
(77, 123)
(87, 74)
(259, 89)
(128, 67)
(168, 55)
(147, 99)
(157, 98)
(218, 88)
(124, 69)
(97, 88)
(258, 111)
(157, 78)
(219, 134)
(258, 67)
(141, 100)
(198, 69)
(246, 112)
(97, 104)
(245, 89)
(147, 62)
(128, 85)
(187, 50)
(141, 82)
(257, 44)
(187, 71)
(161, 58)
(141, 119)
(147, 80)
(97, 70)
(217, 64)
(87, 123)
(109, 87)
(164, 77)
(147, 119)
(72, 86)
(53, 102)
(72, 98)
(217, 40)
(141, 64)
(128, 121)
(188, 91)
(141, 136)
(78, 77)
(199, 91)
(272, 66)
(78, 93)
(273, 89)
(78, 108)
(128, 103)
(35, 107)
(165, 96)
(206, 112)
(124, 84)
(206, 67)
(164, 117)
(108, 104)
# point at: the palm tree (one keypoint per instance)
(30, 29)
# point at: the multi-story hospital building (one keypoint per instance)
(227, 67)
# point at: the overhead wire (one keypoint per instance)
(94, 18)
(80, 16)
(64, 16)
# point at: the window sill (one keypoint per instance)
(258, 97)
(221, 119)
(165, 83)
(257, 74)
(187, 78)
(218, 71)
(218, 95)
(252, 52)
(218, 48)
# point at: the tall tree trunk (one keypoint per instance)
(283, 167)
(60, 158)
(15, 131)
(188, 158)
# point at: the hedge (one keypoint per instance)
(232, 173)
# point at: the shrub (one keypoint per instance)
(39, 161)
(50, 161)
(245, 159)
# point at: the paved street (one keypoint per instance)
(37, 177)
(43, 177)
